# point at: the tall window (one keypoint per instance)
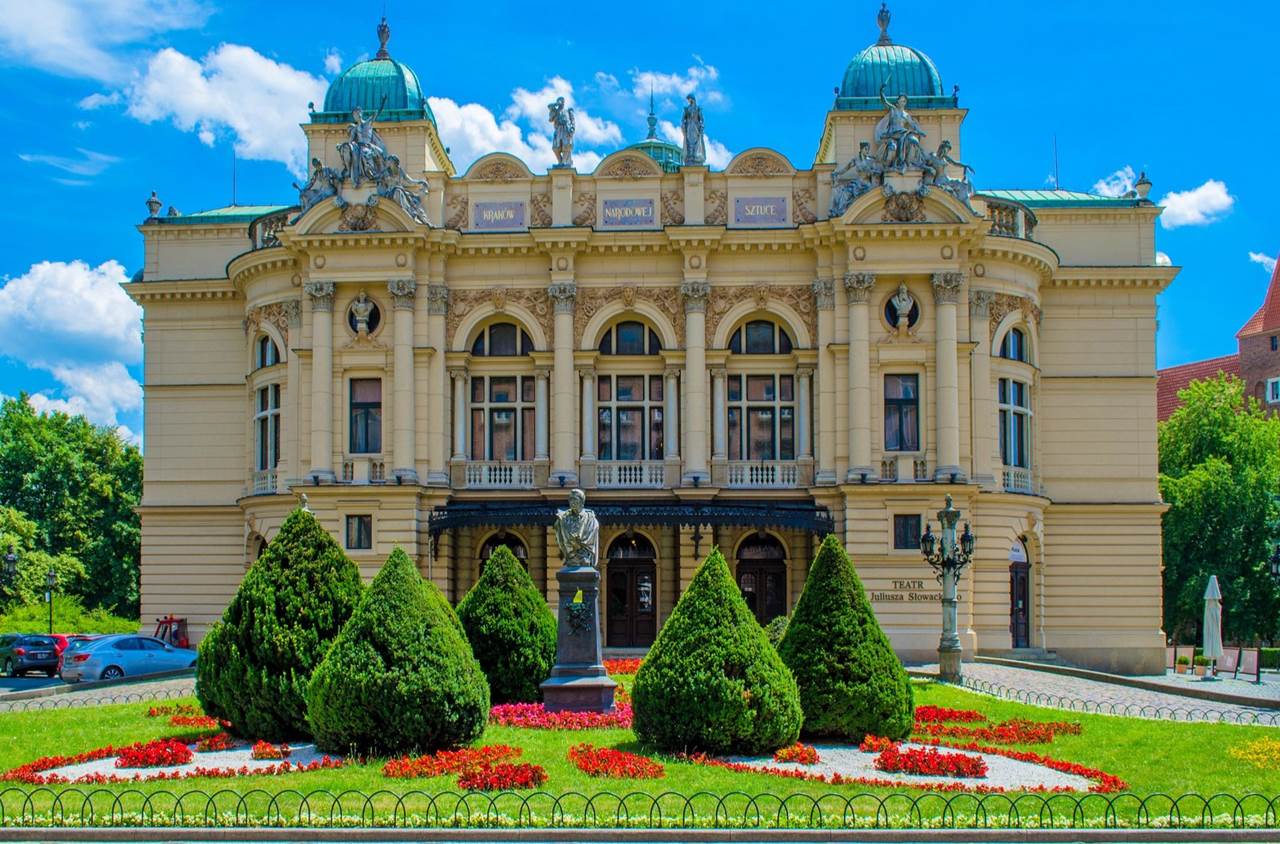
(902, 413)
(629, 417)
(502, 339)
(760, 337)
(502, 417)
(366, 415)
(265, 352)
(267, 427)
(1014, 345)
(1273, 391)
(359, 533)
(906, 532)
(761, 417)
(630, 338)
(1015, 423)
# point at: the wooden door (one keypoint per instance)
(1020, 604)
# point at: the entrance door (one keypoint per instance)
(631, 600)
(1019, 597)
(762, 577)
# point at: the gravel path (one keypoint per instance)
(1002, 772)
(237, 757)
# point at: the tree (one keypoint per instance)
(79, 484)
(28, 587)
(712, 682)
(851, 682)
(511, 629)
(1219, 474)
(256, 662)
(400, 677)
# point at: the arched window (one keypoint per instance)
(762, 576)
(502, 339)
(630, 337)
(632, 598)
(1014, 345)
(265, 352)
(512, 542)
(760, 337)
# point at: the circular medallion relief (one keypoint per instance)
(859, 253)
(695, 261)
(401, 259)
(318, 261)
(948, 253)
(979, 269)
(562, 263)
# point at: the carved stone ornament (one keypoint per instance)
(858, 286)
(802, 205)
(946, 287)
(498, 298)
(437, 299)
(403, 292)
(695, 295)
(631, 167)
(1003, 304)
(456, 209)
(463, 302)
(902, 207)
(584, 209)
(799, 297)
(759, 164)
(321, 293)
(562, 294)
(672, 208)
(980, 302)
(717, 207)
(540, 210)
(283, 315)
(358, 218)
(824, 294)
(497, 171)
(590, 300)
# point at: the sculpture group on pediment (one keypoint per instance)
(323, 183)
(934, 165)
(862, 173)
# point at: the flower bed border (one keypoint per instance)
(612, 763)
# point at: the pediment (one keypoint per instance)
(760, 161)
(627, 164)
(498, 167)
(885, 205)
(383, 215)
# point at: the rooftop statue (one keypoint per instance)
(395, 184)
(364, 155)
(695, 145)
(323, 183)
(898, 134)
(561, 119)
(935, 173)
(859, 175)
(578, 532)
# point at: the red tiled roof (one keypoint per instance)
(1170, 381)
(1266, 318)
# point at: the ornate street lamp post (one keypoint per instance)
(948, 559)
(50, 581)
(1275, 563)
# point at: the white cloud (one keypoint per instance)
(532, 106)
(333, 61)
(89, 163)
(1268, 262)
(1117, 184)
(233, 88)
(82, 125)
(90, 38)
(700, 79)
(78, 406)
(1163, 259)
(1196, 207)
(97, 101)
(718, 155)
(72, 183)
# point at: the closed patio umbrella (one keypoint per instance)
(1212, 623)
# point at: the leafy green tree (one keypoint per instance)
(28, 587)
(1219, 474)
(256, 662)
(851, 682)
(510, 628)
(79, 484)
(400, 677)
(712, 682)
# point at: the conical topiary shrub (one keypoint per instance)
(256, 662)
(510, 628)
(712, 682)
(851, 682)
(400, 678)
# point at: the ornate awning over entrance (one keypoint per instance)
(763, 514)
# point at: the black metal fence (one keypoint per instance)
(71, 806)
(1241, 715)
(72, 700)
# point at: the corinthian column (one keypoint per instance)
(983, 423)
(437, 386)
(563, 384)
(321, 293)
(824, 297)
(946, 293)
(403, 291)
(695, 294)
(857, 288)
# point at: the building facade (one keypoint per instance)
(747, 358)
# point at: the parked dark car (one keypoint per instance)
(22, 653)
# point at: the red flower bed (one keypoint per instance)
(803, 754)
(1104, 783)
(1013, 731)
(503, 777)
(840, 779)
(267, 750)
(875, 744)
(210, 744)
(535, 716)
(618, 764)
(184, 709)
(449, 761)
(940, 714)
(154, 754)
(931, 761)
(203, 722)
(622, 666)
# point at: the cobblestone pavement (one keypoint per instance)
(1268, 689)
(1073, 693)
(159, 690)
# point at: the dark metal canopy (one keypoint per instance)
(798, 515)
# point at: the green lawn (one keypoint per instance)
(1153, 757)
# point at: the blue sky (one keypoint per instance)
(106, 100)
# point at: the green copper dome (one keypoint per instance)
(901, 69)
(670, 156)
(378, 84)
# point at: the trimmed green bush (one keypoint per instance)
(712, 682)
(775, 629)
(400, 678)
(511, 629)
(851, 682)
(256, 662)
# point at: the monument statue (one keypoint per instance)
(578, 532)
(695, 145)
(363, 153)
(898, 134)
(361, 308)
(859, 175)
(561, 119)
(397, 185)
(324, 183)
(935, 173)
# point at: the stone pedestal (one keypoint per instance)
(578, 681)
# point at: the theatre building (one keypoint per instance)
(747, 358)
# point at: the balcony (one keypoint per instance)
(1010, 219)
(364, 470)
(265, 482)
(651, 474)
(499, 475)
(1018, 480)
(774, 474)
(264, 232)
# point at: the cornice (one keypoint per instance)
(229, 231)
(1144, 277)
(1026, 253)
(250, 265)
(354, 240)
(163, 291)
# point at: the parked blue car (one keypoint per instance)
(113, 657)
